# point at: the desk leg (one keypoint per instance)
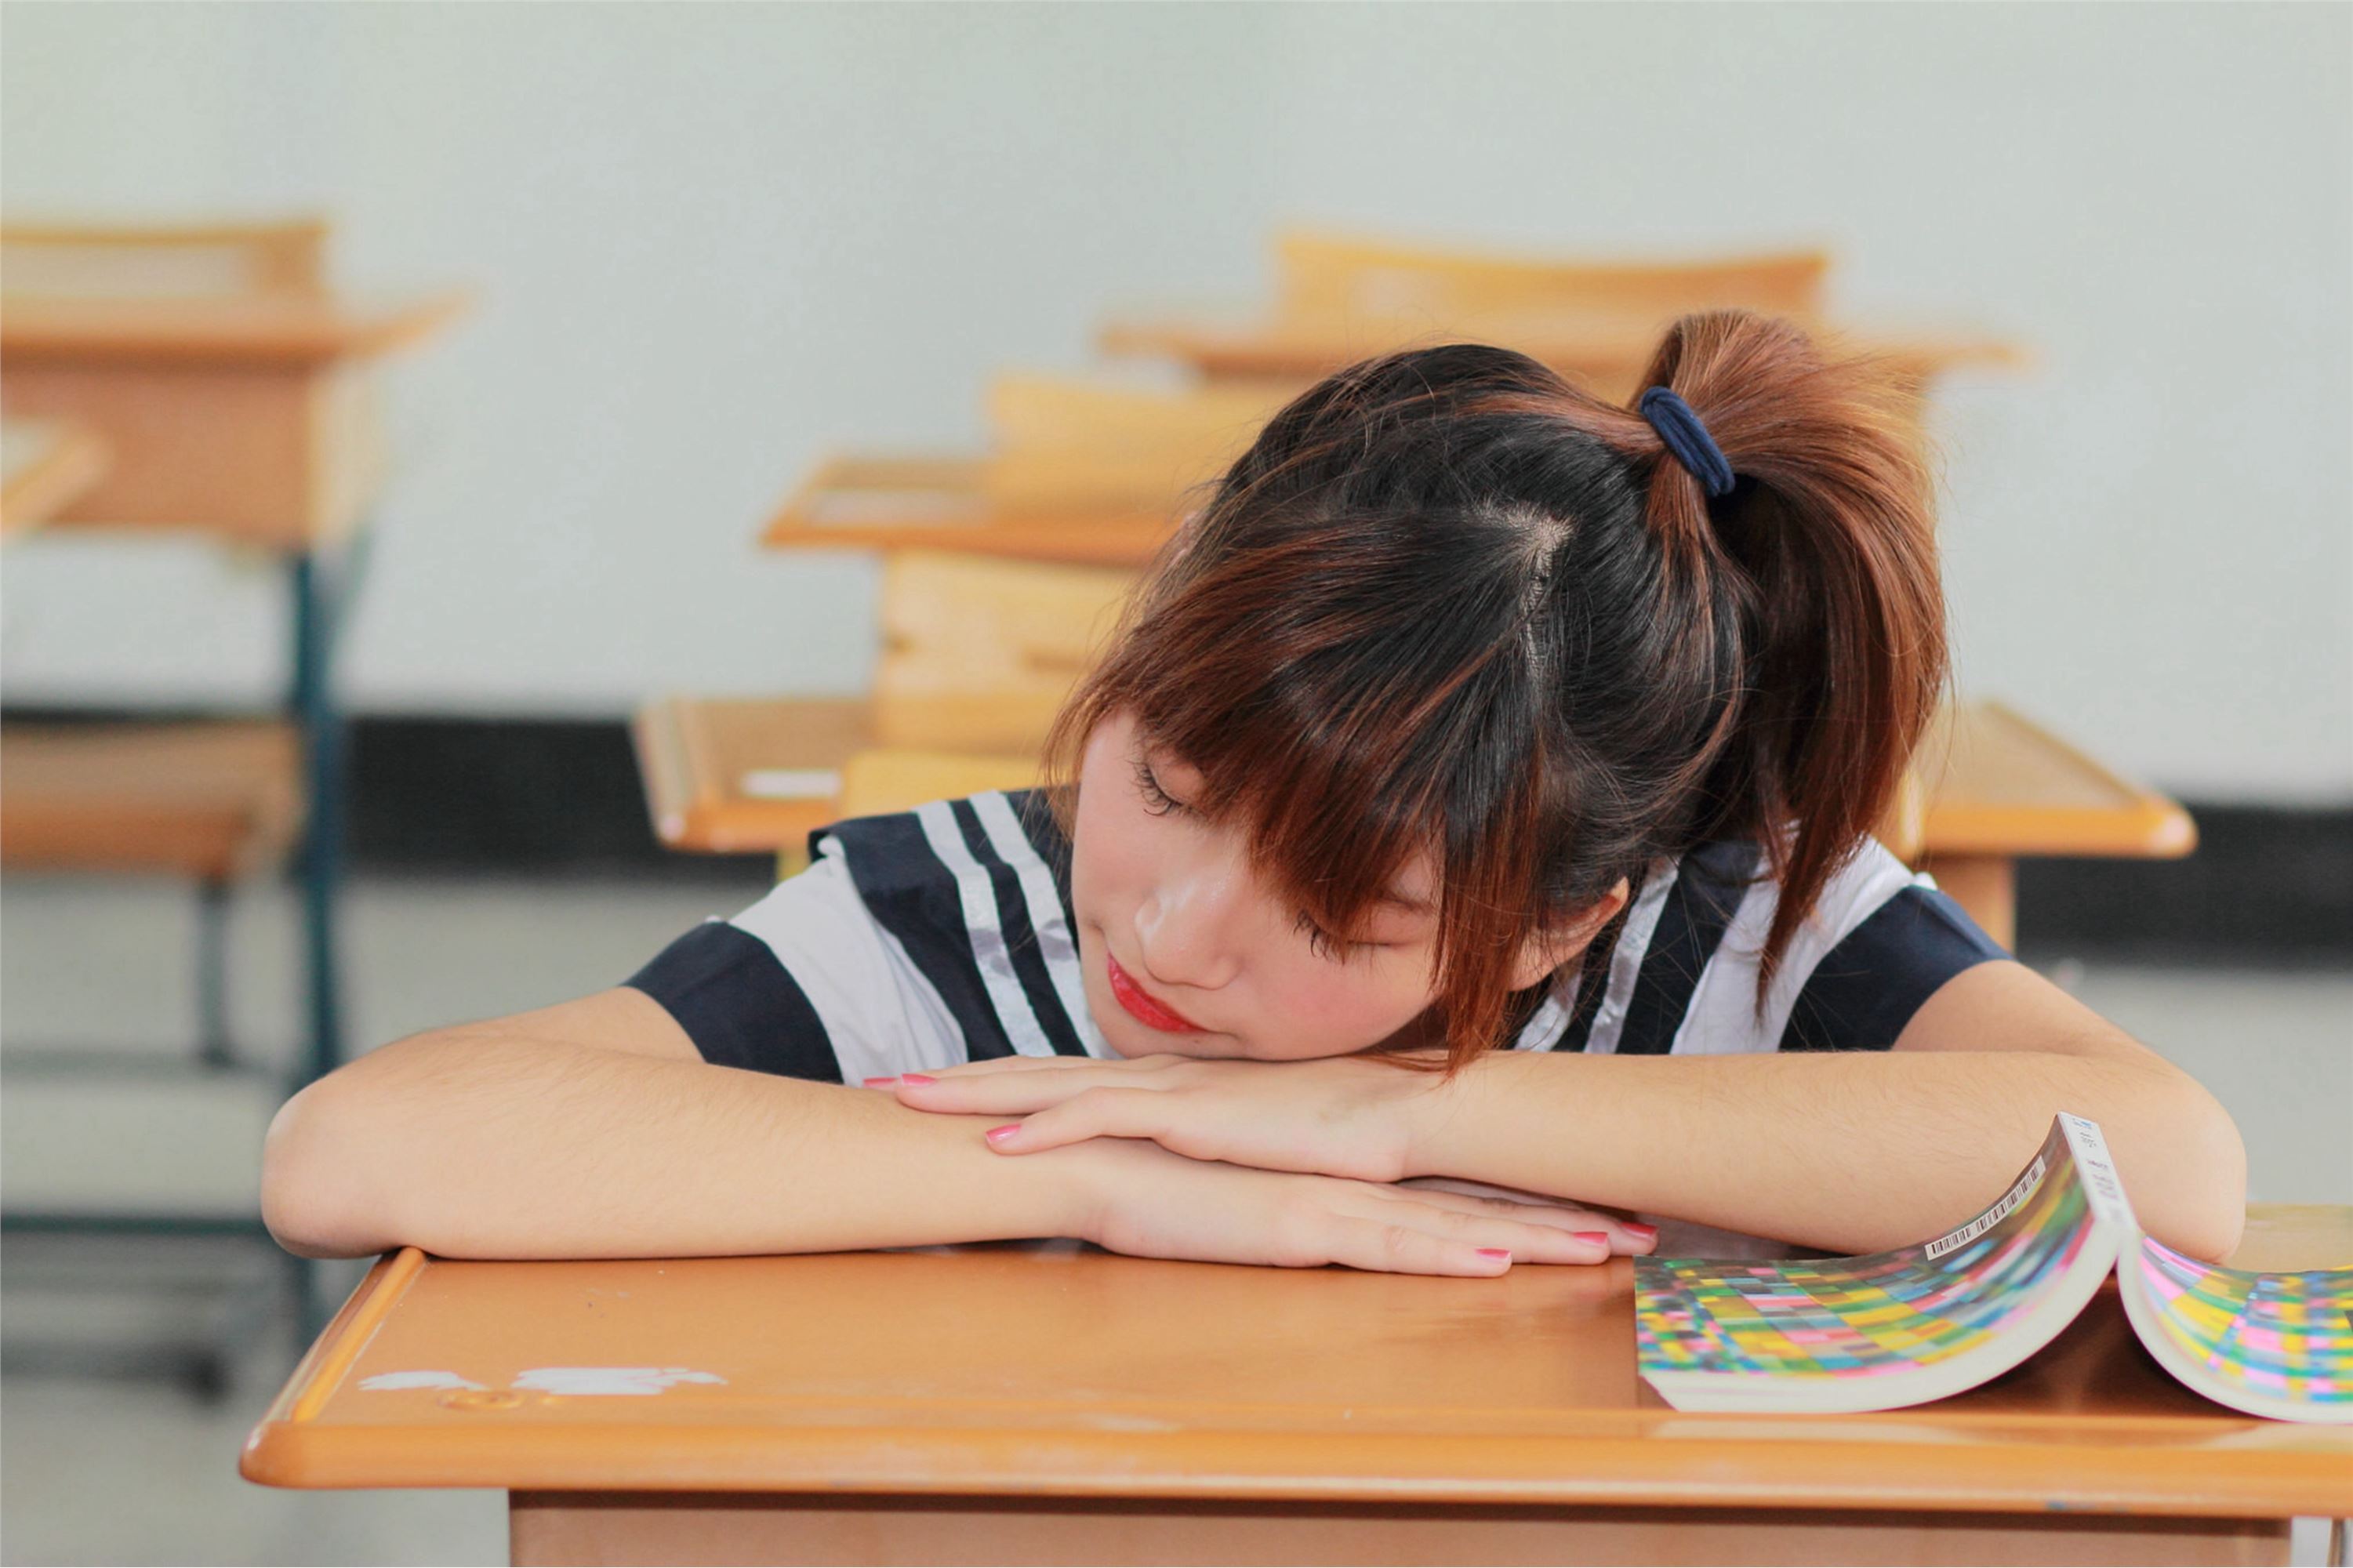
(320, 606)
(1984, 885)
(702, 1528)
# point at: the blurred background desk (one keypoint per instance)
(228, 390)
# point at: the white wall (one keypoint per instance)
(711, 240)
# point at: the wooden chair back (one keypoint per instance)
(164, 262)
(1324, 276)
(1069, 444)
(979, 652)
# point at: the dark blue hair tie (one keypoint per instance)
(1688, 439)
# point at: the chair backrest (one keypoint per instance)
(1324, 275)
(1065, 444)
(979, 652)
(226, 261)
(997, 613)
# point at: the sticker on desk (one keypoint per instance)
(583, 1379)
(790, 784)
(384, 1382)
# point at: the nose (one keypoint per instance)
(1187, 931)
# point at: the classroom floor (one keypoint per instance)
(118, 1470)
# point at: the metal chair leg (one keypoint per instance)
(212, 975)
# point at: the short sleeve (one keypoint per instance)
(1863, 991)
(1878, 942)
(802, 983)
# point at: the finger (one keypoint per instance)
(1626, 1236)
(1092, 1113)
(1528, 1242)
(993, 1094)
(1394, 1246)
(1018, 1062)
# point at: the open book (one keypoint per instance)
(1922, 1323)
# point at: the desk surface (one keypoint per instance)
(1053, 1368)
(1993, 782)
(869, 502)
(247, 328)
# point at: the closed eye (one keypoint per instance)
(1324, 944)
(1156, 801)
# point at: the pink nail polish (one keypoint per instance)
(916, 1078)
(1494, 1252)
(1640, 1232)
(999, 1134)
(1598, 1237)
(871, 1082)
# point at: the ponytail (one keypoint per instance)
(1826, 547)
(1449, 603)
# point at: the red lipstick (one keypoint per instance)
(1142, 1008)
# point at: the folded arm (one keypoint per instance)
(1852, 1151)
(593, 1129)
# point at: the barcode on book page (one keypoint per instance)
(1992, 1217)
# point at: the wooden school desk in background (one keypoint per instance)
(1988, 787)
(979, 653)
(1079, 469)
(233, 392)
(1048, 1402)
(1339, 299)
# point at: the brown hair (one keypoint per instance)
(1449, 601)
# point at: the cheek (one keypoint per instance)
(1318, 1008)
(1106, 861)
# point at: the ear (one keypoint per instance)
(1547, 949)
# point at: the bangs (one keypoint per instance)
(1352, 691)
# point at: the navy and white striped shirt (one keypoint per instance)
(945, 935)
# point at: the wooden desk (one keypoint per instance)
(246, 417)
(1993, 787)
(733, 776)
(1048, 1402)
(871, 502)
(44, 467)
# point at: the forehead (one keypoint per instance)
(1412, 889)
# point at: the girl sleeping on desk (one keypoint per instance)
(1461, 856)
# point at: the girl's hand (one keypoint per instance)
(1149, 1203)
(1334, 1116)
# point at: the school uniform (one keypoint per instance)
(945, 935)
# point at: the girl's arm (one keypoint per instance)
(593, 1129)
(1852, 1151)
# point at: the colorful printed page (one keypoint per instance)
(2270, 1344)
(1892, 1329)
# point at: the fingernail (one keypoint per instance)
(916, 1078)
(1494, 1252)
(999, 1134)
(871, 1082)
(1642, 1232)
(1598, 1237)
